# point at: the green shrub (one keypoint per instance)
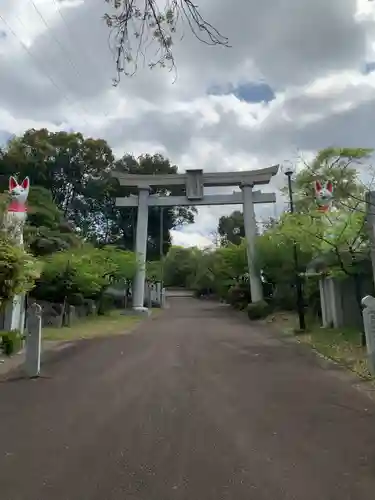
(239, 295)
(258, 310)
(285, 297)
(11, 342)
(105, 304)
(76, 299)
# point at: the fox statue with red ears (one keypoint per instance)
(323, 195)
(15, 218)
(17, 208)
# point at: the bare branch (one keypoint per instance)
(136, 24)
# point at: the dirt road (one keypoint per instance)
(195, 405)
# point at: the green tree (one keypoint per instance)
(77, 173)
(64, 163)
(154, 271)
(219, 269)
(338, 243)
(336, 239)
(180, 266)
(18, 269)
(83, 273)
(274, 253)
(231, 228)
(46, 231)
(338, 165)
(123, 222)
(135, 28)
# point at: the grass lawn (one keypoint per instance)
(97, 326)
(342, 345)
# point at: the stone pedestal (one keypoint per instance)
(14, 315)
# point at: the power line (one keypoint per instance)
(35, 60)
(40, 67)
(63, 49)
(51, 33)
(69, 30)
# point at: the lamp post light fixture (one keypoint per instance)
(299, 292)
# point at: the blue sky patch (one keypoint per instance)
(369, 67)
(4, 137)
(249, 92)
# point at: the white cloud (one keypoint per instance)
(191, 239)
(56, 72)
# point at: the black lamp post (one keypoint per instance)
(161, 245)
(300, 302)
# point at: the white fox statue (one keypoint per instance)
(323, 195)
(14, 220)
(17, 208)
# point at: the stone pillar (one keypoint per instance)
(368, 304)
(15, 314)
(324, 305)
(334, 293)
(370, 225)
(141, 250)
(159, 292)
(250, 234)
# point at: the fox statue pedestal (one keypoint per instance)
(14, 318)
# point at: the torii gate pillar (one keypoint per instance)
(141, 250)
(256, 288)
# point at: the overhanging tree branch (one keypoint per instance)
(136, 24)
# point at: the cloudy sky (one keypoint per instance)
(300, 76)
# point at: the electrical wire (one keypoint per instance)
(70, 100)
(71, 32)
(57, 41)
(38, 65)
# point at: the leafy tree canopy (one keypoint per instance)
(18, 269)
(231, 228)
(338, 165)
(76, 172)
(85, 272)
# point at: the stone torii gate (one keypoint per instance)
(192, 184)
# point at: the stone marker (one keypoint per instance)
(33, 340)
(368, 312)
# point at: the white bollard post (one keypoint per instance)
(33, 340)
(163, 298)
